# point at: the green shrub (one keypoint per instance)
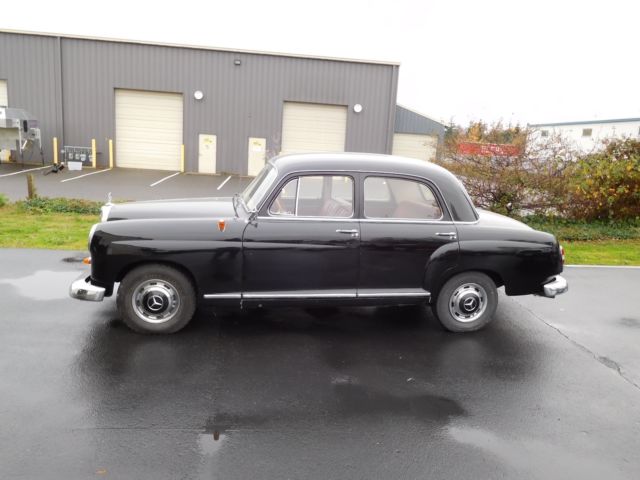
(606, 185)
(575, 230)
(3, 200)
(59, 205)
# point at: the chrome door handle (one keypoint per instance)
(354, 233)
(451, 235)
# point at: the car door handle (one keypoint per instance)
(354, 233)
(451, 235)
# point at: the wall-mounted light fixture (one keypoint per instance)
(237, 62)
(357, 108)
(198, 95)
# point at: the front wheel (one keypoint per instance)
(156, 299)
(466, 302)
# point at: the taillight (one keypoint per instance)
(562, 253)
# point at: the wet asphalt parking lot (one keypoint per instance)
(549, 390)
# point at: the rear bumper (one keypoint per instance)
(555, 287)
(83, 289)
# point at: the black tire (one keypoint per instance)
(467, 302)
(156, 299)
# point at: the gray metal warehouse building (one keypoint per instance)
(217, 110)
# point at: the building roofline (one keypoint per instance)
(421, 114)
(584, 122)
(199, 47)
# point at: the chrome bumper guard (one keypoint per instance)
(555, 287)
(82, 289)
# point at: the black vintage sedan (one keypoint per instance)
(319, 229)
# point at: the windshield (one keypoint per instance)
(259, 186)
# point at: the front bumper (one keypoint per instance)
(555, 287)
(82, 289)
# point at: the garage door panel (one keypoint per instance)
(149, 129)
(309, 127)
(422, 147)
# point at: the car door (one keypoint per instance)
(304, 242)
(403, 228)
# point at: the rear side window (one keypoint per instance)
(399, 198)
(329, 196)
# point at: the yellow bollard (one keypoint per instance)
(93, 152)
(55, 150)
(182, 158)
(110, 153)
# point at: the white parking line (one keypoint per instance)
(223, 183)
(602, 266)
(163, 179)
(85, 175)
(24, 171)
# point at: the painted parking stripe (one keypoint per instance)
(603, 266)
(24, 171)
(163, 179)
(85, 175)
(224, 183)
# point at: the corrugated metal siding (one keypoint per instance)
(411, 122)
(28, 63)
(240, 101)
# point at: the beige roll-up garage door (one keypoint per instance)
(4, 98)
(311, 127)
(422, 147)
(148, 129)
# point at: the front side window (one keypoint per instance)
(398, 198)
(315, 196)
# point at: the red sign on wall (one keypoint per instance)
(488, 149)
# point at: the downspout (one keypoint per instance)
(391, 121)
(60, 92)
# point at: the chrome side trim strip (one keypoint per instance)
(223, 295)
(392, 294)
(285, 295)
(315, 295)
(316, 219)
(402, 220)
(361, 220)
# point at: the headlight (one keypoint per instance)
(91, 232)
(105, 209)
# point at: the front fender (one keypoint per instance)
(212, 257)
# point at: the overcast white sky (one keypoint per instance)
(527, 61)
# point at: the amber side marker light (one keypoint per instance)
(86, 260)
(221, 225)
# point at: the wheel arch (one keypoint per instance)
(492, 274)
(167, 263)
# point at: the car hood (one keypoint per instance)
(491, 219)
(215, 207)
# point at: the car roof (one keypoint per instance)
(358, 162)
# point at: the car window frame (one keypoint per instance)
(265, 210)
(437, 195)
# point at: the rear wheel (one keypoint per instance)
(466, 302)
(156, 299)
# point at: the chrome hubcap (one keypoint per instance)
(468, 302)
(155, 301)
